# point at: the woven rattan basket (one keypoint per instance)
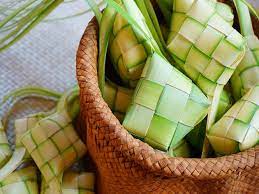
(127, 165)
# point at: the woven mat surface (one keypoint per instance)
(45, 57)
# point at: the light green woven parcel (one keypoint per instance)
(205, 47)
(5, 150)
(128, 48)
(54, 146)
(247, 73)
(117, 98)
(74, 183)
(222, 9)
(238, 129)
(166, 105)
(23, 125)
(23, 181)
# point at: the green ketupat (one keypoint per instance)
(238, 129)
(204, 45)
(23, 181)
(82, 183)
(222, 9)
(5, 151)
(247, 73)
(164, 108)
(117, 98)
(128, 47)
(53, 143)
(23, 125)
(73, 183)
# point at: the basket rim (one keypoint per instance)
(144, 148)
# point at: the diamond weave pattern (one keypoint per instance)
(238, 129)
(127, 50)
(207, 63)
(164, 108)
(54, 146)
(22, 181)
(247, 73)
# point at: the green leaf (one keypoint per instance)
(251, 8)
(72, 15)
(104, 36)
(30, 91)
(23, 19)
(96, 10)
(148, 12)
(135, 21)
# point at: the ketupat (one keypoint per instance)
(53, 143)
(5, 151)
(247, 73)
(128, 46)
(194, 22)
(117, 98)
(13, 163)
(23, 181)
(166, 105)
(166, 7)
(82, 182)
(238, 129)
(23, 125)
(222, 9)
(129, 49)
(14, 96)
(73, 183)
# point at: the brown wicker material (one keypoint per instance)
(127, 165)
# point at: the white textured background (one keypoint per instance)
(45, 57)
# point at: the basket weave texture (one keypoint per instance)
(127, 165)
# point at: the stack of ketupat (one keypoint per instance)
(52, 147)
(177, 93)
(174, 93)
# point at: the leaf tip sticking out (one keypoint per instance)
(93, 5)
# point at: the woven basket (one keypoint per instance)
(127, 165)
